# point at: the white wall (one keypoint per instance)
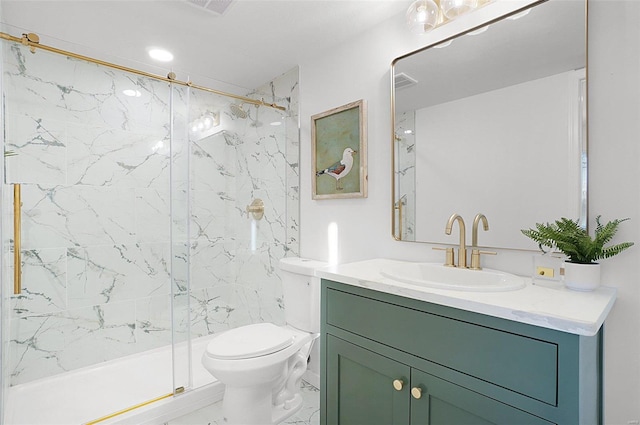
(515, 170)
(361, 70)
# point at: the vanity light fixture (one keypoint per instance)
(425, 15)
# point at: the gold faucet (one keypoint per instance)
(462, 249)
(474, 231)
(475, 252)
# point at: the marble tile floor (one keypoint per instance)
(212, 414)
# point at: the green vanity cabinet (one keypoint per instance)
(360, 382)
(392, 360)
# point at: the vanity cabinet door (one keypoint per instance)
(443, 403)
(360, 386)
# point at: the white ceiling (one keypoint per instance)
(253, 42)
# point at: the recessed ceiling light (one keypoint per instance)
(132, 93)
(161, 55)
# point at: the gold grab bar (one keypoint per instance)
(17, 242)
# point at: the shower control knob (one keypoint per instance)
(398, 384)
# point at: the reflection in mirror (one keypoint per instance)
(493, 122)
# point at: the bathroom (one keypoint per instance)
(339, 76)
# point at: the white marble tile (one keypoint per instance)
(76, 216)
(98, 333)
(35, 343)
(153, 322)
(152, 215)
(212, 264)
(218, 308)
(211, 218)
(104, 156)
(44, 283)
(40, 149)
(213, 163)
(45, 345)
(103, 274)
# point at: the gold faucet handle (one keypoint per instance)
(448, 256)
(475, 258)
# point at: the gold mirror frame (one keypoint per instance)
(397, 204)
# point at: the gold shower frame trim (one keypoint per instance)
(33, 42)
(178, 390)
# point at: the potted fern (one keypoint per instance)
(581, 271)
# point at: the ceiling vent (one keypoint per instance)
(217, 7)
(402, 80)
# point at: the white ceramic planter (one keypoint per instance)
(581, 277)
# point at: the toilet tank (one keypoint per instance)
(301, 288)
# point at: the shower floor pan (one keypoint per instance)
(75, 398)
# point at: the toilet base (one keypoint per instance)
(287, 409)
(270, 402)
(235, 411)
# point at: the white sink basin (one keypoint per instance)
(438, 276)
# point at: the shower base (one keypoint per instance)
(86, 394)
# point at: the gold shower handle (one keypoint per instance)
(398, 206)
(256, 209)
(17, 239)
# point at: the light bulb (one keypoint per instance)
(454, 8)
(422, 16)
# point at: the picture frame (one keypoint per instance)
(339, 152)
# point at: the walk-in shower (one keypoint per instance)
(124, 210)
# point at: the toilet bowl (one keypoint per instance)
(262, 364)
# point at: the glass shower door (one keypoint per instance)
(88, 149)
(238, 216)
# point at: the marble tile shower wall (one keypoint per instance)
(95, 172)
(406, 171)
(235, 281)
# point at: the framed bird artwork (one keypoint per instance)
(339, 152)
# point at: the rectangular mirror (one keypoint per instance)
(493, 121)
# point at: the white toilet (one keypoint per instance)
(261, 364)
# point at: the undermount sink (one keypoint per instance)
(439, 276)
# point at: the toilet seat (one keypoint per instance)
(249, 341)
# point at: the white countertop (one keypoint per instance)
(550, 305)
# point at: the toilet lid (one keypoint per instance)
(249, 341)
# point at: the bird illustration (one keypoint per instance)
(341, 168)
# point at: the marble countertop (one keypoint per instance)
(547, 305)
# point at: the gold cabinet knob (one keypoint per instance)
(398, 384)
(416, 392)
